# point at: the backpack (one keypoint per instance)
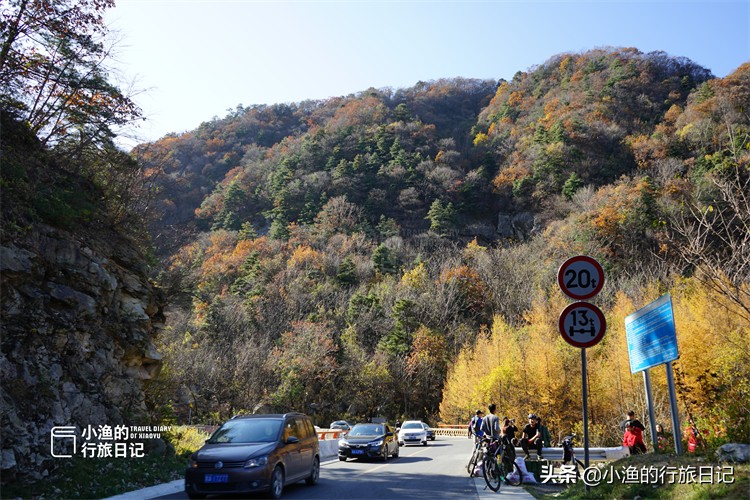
(477, 425)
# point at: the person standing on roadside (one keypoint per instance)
(633, 437)
(544, 431)
(508, 431)
(491, 423)
(475, 426)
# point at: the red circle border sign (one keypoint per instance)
(564, 267)
(584, 305)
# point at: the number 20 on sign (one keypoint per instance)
(580, 277)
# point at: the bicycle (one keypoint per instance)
(569, 455)
(499, 465)
(476, 456)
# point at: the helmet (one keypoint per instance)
(532, 415)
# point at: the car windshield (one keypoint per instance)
(412, 425)
(366, 430)
(247, 431)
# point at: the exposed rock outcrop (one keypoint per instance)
(79, 316)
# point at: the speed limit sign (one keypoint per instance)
(580, 277)
(582, 324)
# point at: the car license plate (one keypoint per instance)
(358, 452)
(217, 478)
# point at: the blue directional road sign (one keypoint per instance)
(652, 339)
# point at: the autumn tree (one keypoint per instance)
(305, 362)
(52, 70)
(712, 233)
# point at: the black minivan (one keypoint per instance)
(255, 453)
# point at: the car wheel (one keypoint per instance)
(314, 473)
(424, 443)
(342, 459)
(277, 482)
(196, 495)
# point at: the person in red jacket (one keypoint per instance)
(633, 437)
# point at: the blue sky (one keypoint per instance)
(195, 59)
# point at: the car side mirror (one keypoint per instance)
(292, 440)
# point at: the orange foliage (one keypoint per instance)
(305, 257)
(515, 98)
(507, 176)
(469, 283)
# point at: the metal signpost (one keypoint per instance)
(652, 341)
(582, 324)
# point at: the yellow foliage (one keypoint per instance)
(565, 65)
(474, 249)
(480, 138)
(415, 278)
(532, 369)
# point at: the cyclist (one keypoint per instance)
(475, 426)
(491, 424)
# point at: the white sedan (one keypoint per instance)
(412, 432)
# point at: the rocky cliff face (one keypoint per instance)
(78, 319)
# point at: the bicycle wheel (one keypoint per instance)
(579, 469)
(511, 472)
(492, 475)
(473, 461)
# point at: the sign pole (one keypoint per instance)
(675, 415)
(650, 404)
(582, 324)
(585, 409)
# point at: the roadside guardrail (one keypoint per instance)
(595, 454)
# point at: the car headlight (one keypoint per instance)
(256, 462)
(192, 463)
(379, 442)
(343, 443)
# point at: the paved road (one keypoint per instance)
(435, 471)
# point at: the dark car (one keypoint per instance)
(369, 441)
(430, 432)
(255, 453)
